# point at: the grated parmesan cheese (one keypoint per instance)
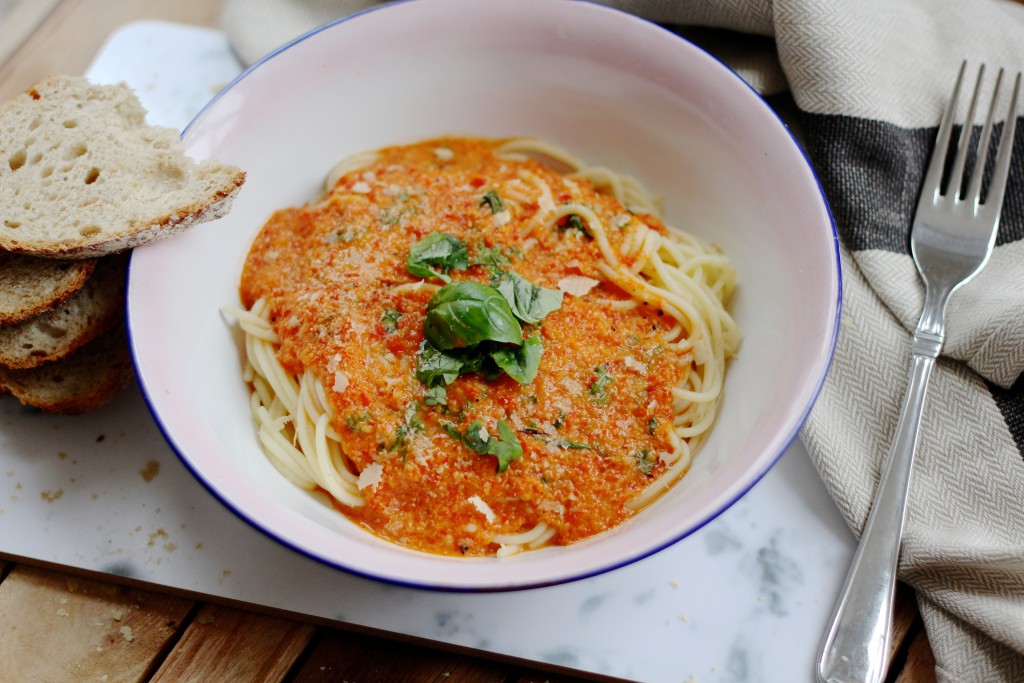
(482, 507)
(361, 187)
(444, 153)
(340, 382)
(577, 285)
(501, 218)
(370, 475)
(572, 385)
(634, 364)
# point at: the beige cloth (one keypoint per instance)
(870, 79)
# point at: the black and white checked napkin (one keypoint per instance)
(869, 80)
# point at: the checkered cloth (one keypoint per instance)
(869, 80)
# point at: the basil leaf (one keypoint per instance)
(504, 445)
(492, 200)
(436, 396)
(521, 363)
(434, 367)
(492, 257)
(467, 313)
(438, 250)
(529, 302)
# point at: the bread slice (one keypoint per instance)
(30, 285)
(76, 384)
(83, 175)
(95, 308)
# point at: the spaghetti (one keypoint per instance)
(585, 412)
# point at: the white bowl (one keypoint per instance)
(616, 90)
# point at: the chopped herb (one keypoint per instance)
(560, 420)
(389, 320)
(466, 313)
(492, 200)
(355, 421)
(528, 301)
(412, 423)
(573, 223)
(599, 389)
(504, 445)
(559, 442)
(436, 396)
(652, 425)
(644, 460)
(437, 250)
(520, 363)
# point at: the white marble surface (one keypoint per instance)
(744, 599)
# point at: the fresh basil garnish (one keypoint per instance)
(504, 445)
(529, 302)
(520, 363)
(435, 367)
(492, 257)
(466, 313)
(437, 250)
(436, 396)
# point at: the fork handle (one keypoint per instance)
(856, 645)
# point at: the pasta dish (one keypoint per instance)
(480, 347)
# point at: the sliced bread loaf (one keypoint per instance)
(78, 383)
(82, 174)
(30, 285)
(95, 308)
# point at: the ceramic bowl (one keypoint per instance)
(612, 88)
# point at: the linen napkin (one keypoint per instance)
(869, 80)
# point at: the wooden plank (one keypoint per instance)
(920, 664)
(74, 32)
(59, 628)
(339, 655)
(225, 644)
(18, 19)
(905, 615)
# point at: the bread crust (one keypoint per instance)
(78, 383)
(82, 175)
(30, 285)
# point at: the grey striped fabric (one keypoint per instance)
(869, 80)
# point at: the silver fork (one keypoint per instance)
(951, 240)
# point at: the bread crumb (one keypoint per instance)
(50, 496)
(150, 471)
(117, 614)
(62, 612)
(126, 633)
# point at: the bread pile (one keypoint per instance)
(83, 179)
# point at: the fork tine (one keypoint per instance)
(974, 189)
(997, 186)
(956, 174)
(933, 176)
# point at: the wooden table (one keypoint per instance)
(60, 624)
